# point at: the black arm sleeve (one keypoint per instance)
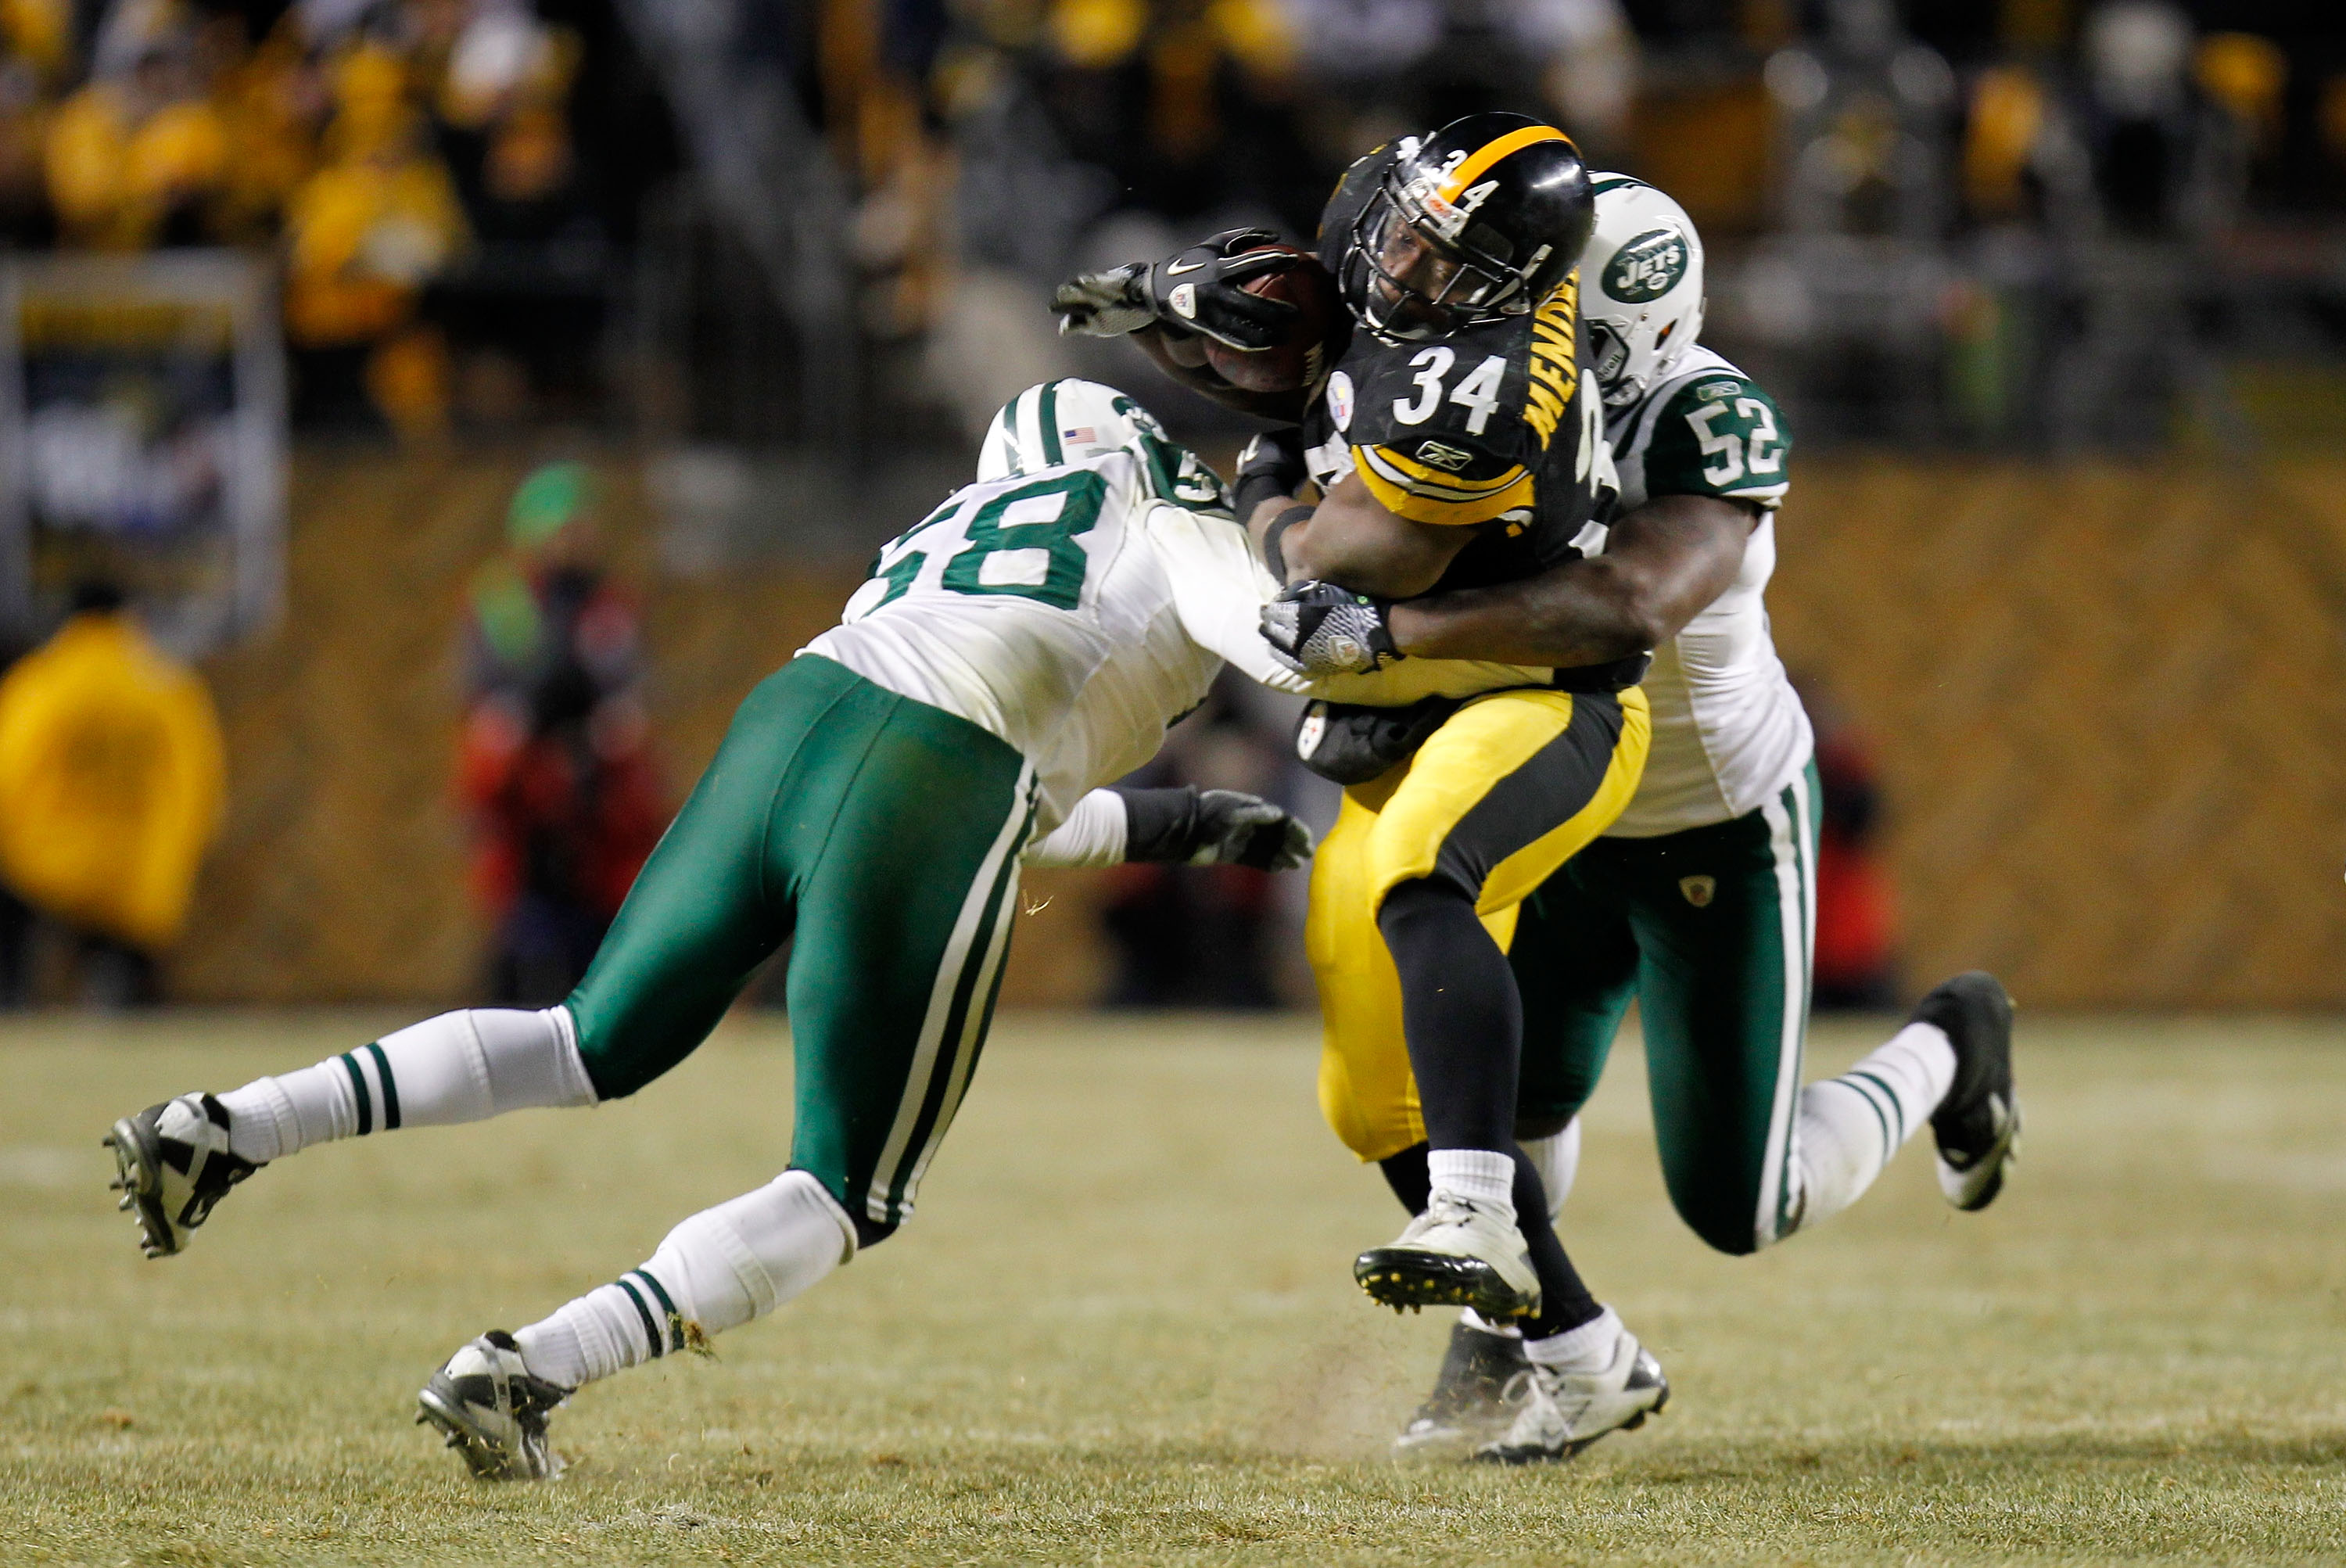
(1160, 825)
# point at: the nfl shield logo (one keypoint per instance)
(1698, 890)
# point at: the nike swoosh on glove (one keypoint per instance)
(1195, 290)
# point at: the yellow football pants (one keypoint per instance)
(1515, 784)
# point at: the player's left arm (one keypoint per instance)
(1663, 564)
(1187, 827)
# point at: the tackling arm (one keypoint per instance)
(1663, 564)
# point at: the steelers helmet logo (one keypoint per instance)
(1698, 890)
(1647, 266)
(1340, 400)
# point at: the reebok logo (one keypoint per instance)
(1434, 454)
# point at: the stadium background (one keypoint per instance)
(2051, 293)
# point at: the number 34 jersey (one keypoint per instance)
(1077, 611)
(1730, 732)
(1493, 427)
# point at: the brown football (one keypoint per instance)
(1315, 337)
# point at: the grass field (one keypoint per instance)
(1122, 1329)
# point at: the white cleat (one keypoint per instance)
(1461, 1252)
(1565, 1411)
(493, 1411)
(172, 1165)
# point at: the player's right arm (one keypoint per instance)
(1182, 356)
(1663, 564)
(1170, 307)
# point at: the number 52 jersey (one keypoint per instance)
(1730, 732)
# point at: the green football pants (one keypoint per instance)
(883, 834)
(1711, 929)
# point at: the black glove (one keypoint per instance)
(1318, 628)
(1195, 291)
(1270, 464)
(1211, 828)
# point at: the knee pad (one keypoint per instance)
(746, 1256)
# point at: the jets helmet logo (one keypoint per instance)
(1647, 266)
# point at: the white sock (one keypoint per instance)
(1850, 1127)
(1484, 1175)
(1557, 1159)
(716, 1271)
(1588, 1349)
(461, 1067)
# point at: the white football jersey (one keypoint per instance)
(1075, 612)
(1730, 732)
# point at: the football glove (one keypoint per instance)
(1195, 827)
(1197, 291)
(1318, 628)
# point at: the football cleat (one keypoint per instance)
(1565, 1411)
(172, 1166)
(1474, 1399)
(1461, 1252)
(1977, 1126)
(493, 1411)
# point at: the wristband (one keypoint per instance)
(1160, 825)
(1272, 556)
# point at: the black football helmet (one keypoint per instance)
(1478, 221)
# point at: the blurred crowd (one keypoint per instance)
(1973, 163)
(373, 144)
(1930, 220)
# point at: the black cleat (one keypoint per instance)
(1977, 1126)
(1476, 1396)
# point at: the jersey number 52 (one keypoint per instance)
(1749, 445)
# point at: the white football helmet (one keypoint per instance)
(1640, 287)
(1072, 420)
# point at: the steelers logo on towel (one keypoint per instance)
(1698, 890)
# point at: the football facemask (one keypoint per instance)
(1477, 222)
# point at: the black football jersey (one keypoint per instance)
(1489, 428)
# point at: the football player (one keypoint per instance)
(1700, 900)
(1456, 445)
(874, 801)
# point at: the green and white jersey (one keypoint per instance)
(1077, 610)
(1730, 733)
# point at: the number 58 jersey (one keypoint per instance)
(1077, 610)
